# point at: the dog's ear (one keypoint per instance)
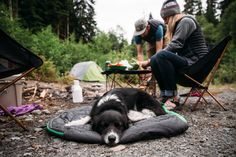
(126, 122)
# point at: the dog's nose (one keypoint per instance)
(112, 138)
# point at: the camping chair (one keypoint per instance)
(199, 75)
(15, 59)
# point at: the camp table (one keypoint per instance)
(112, 79)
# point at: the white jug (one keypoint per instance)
(77, 93)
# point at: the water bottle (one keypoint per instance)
(77, 94)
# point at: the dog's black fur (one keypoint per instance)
(109, 114)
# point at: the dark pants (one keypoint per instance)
(164, 65)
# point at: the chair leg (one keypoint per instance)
(188, 95)
(202, 92)
(216, 101)
(14, 118)
(205, 100)
(195, 105)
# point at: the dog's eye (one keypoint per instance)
(104, 125)
(117, 125)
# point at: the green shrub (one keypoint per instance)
(47, 72)
(227, 70)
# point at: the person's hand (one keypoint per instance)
(143, 64)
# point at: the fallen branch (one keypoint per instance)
(35, 90)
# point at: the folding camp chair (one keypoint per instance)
(15, 59)
(199, 75)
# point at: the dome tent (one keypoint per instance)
(87, 71)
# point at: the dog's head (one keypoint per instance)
(110, 124)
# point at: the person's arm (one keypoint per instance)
(159, 45)
(159, 38)
(139, 48)
(159, 34)
(139, 52)
(183, 30)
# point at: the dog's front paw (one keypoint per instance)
(148, 112)
(78, 122)
(135, 116)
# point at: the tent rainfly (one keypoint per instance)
(87, 71)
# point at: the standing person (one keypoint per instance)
(187, 45)
(151, 31)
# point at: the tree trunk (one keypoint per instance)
(10, 10)
(67, 26)
(15, 10)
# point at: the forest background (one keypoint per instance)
(64, 32)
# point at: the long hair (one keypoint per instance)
(171, 26)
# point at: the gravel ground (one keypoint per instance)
(212, 132)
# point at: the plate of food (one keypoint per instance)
(116, 66)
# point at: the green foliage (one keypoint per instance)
(193, 7)
(66, 79)
(47, 72)
(223, 5)
(211, 11)
(5, 22)
(209, 30)
(228, 22)
(85, 24)
(227, 72)
(45, 43)
(101, 43)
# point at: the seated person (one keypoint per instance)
(187, 45)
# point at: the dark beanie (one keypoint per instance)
(169, 8)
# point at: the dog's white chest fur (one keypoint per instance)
(108, 98)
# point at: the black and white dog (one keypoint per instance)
(111, 113)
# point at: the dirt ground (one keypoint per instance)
(212, 131)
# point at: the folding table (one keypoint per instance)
(113, 81)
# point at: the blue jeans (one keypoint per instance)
(164, 65)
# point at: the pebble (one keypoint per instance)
(27, 154)
(37, 112)
(38, 129)
(15, 138)
(46, 111)
(118, 148)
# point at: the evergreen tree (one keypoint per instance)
(228, 22)
(193, 7)
(199, 10)
(84, 20)
(189, 7)
(211, 11)
(223, 5)
(65, 17)
(31, 14)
